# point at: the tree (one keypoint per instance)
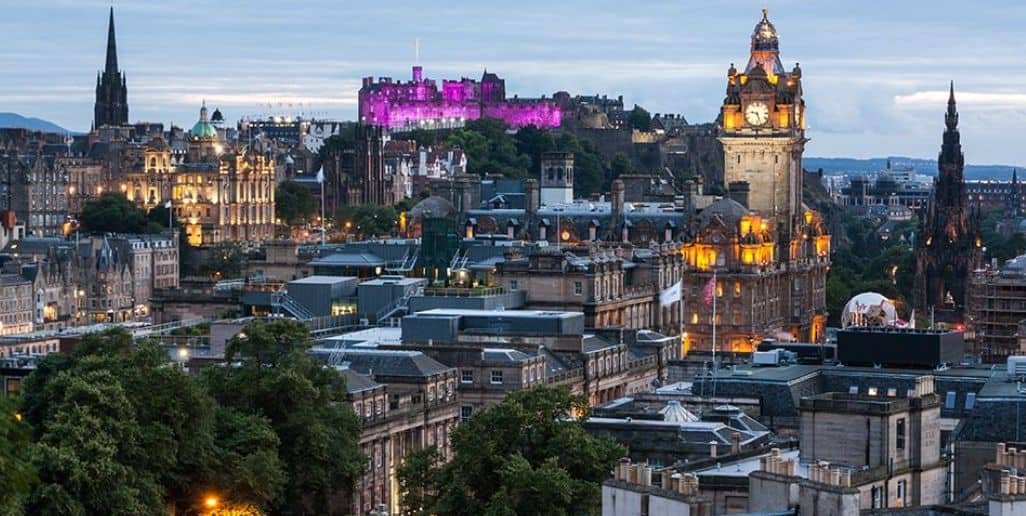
(294, 203)
(418, 481)
(621, 165)
(223, 261)
(17, 474)
(112, 212)
(370, 220)
(640, 119)
(304, 403)
(337, 143)
(525, 455)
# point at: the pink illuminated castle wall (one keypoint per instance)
(420, 103)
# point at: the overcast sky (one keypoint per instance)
(876, 72)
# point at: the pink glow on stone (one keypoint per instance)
(397, 104)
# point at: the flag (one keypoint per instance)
(320, 175)
(709, 292)
(670, 295)
(167, 204)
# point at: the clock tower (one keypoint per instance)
(762, 129)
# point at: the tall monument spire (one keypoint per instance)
(112, 48)
(111, 106)
(951, 117)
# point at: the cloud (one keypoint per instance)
(975, 99)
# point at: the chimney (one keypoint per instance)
(616, 208)
(712, 449)
(531, 194)
(735, 443)
(738, 191)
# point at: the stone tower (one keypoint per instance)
(111, 106)
(948, 246)
(762, 129)
(557, 178)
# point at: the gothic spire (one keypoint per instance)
(951, 117)
(112, 50)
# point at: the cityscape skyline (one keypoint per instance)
(878, 86)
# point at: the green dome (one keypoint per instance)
(203, 131)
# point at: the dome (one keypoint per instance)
(434, 207)
(764, 36)
(673, 412)
(728, 210)
(203, 130)
(869, 309)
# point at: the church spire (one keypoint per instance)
(112, 49)
(951, 117)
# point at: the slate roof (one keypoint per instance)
(356, 382)
(379, 363)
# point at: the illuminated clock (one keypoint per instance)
(757, 113)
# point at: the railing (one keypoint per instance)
(400, 304)
(463, 291)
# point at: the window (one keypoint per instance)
(902, 489)
(899, 440)
(970, 400)
(872, 391)
(466, 411)
(949, 400)
(737, 289)
(892, 392)
(467, 376)
(578, 288)
(854, 389)
(497, 377)
(512, 284)
(877, 497)
(694, 317)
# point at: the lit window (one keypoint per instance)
(892, 392)
(694, 317)
(872, 391)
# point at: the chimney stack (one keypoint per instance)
(738, 191)
(616, 209)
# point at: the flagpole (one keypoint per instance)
(323, 227)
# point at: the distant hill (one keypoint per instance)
(922, 166)
(32, 124)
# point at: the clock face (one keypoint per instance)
(757, 113)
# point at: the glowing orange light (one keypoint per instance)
(210, 502)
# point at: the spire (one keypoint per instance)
(112, 50)
(951, 117)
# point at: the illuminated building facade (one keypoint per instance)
(420, 103)
(770, 255)
(220, 193)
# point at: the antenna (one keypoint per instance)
(416, 51)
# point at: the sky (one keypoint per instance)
(875, 72)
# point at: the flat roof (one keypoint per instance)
(746, 466)
(323, 280)
(520, 314)
(394, 280)
(792, 372)
(384, 335)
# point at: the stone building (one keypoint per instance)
(996, 309)
(86, 180)
(759, 292)
(407, 401)
(35, 188)
(16, 302)
(220, 193)
(763, 131)
(611, 286)
(948, 242)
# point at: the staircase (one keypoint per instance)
(282, 302)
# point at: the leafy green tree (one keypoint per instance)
(303, 401)
(640, 119)
(525, 455)
(112, 212)
(621, 165)
(294, 203)
(418, 481)
(223, 261)
(370, 220)
(338, 143)
(17, 473)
